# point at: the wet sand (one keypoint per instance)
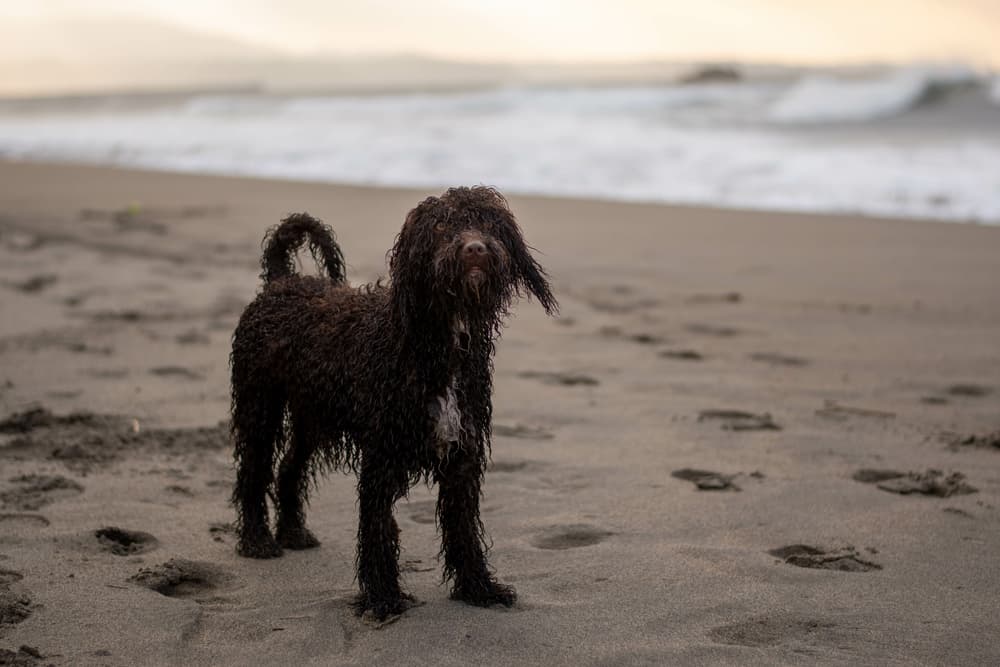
(749, 438)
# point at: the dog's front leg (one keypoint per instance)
(459, 480)
(378, 542)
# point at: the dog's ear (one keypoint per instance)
(527, 274)
(530, 275)
(417, 235)
(410, 258)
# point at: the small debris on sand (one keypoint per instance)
(707, 480)
(738, 420)
(930, 483)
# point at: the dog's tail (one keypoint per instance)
(282, 240)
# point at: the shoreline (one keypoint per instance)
(679, 207)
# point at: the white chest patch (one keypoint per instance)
(449, 422)
(449, 418)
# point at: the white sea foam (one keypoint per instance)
(701, 145)
(828, 99)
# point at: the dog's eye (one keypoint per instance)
(440, 227)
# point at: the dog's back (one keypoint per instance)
(289, 305)
(299, 326)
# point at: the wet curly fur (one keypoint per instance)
(390, 381)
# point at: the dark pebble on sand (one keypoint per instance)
(706, 480)
(682, 355)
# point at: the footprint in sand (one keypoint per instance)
(875, 475)
(776, 359)
(19, 518)
(934, 400)
(80, 458)
(14, 607)
(718, 330)
(707, 480)
(739, 420)
(560, 378)
(35, 283)
(846, 559)
(186, 579)
(724, 297)
(34, 491)
(930, 483)
(642, 338)
(8, 577)
(203, 438)
(176, 372)
(838, 412)
(682, 355)
(508, 466)
(123, 542)
(18, 241)
(105, 373)
(959, 512)
(193, 337)
(222, 532)
(983, 441)
(82, 440)
(131, 218)
(570, 537)
(646, 339)
(522, 432)
(77, 440)
(423, 511)
(968, 390)
(63, 394)
(617, 299)
(39, 417)
(26, 656)
(772, 631)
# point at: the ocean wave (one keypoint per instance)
(709, 146)
(707, 102)
(828, 99)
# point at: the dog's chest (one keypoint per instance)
(448, 425)
(446, 409)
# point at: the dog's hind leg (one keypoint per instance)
(293, 486)
(462, 535)
(379, 486)
(258, 430)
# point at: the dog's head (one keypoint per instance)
(464, 252)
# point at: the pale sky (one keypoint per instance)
(786, 31)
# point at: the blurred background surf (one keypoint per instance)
(838, 134)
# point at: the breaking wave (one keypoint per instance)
(738, 143)
(829, 99)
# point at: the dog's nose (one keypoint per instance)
(474, 249)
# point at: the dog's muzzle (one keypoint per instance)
(475, 259)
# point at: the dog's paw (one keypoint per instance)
(297, 538)
(378, 609)
(485, 593)
(260, 546)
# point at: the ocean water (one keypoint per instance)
(907, 142)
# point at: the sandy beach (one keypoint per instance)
(749, 438)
